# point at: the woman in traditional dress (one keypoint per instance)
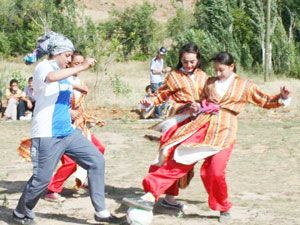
(182, 87)
(210, 136)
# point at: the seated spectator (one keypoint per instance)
(147, 112)
(16, 102)
(29, 94)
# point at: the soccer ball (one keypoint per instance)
(137, 216)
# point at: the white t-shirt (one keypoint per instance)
(156, 64)
(51, 113)
(75, 80)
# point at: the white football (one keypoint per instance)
(137, 216)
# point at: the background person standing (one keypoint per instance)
(156, 75)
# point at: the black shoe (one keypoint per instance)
(111, 219)
(138, 203)
(177, 205)
(22, 220)
(224, 217)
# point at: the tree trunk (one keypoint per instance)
(267, 42)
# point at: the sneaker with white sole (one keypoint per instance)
(22, 220)
(112, 219)
(54, 197)
(138, 203)
(177, 205)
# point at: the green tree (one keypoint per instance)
(134, 29)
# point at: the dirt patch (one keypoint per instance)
(263, 174)
(115, 113)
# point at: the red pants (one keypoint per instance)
(173, 189)
(68, 167)
(164, 179)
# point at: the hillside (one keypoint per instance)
(99, 10)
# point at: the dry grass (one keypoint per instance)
(135, 77)
(99, 10)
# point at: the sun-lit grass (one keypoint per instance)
(133, 76)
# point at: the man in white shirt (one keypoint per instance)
(156, 75)
(53, 134)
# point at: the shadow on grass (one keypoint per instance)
(6, 216)
(111, 192)
(195, 215)
(118, 194)
(12, 187)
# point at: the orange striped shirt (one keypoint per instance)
(181, 88)
(223, 125)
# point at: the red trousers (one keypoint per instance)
(163, 180)
(68, 167)
(173, 189)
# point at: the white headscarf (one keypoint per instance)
(50, 43)
(53, 44)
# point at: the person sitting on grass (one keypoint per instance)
(147, 112)
(29, 93)
(17, 102)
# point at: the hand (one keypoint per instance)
(284, 92)
(195, 107)
(100, 123)
(209, 107)
(89, 62)
(146, 103)
(167, 69)
(23, 98)
(74, 114)
(84, 89)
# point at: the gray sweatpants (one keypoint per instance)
(46, 153)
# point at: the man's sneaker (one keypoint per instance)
(111, 219)
(138, 203)
(224, 217)
(177, 205)
(25, 118)
(54, 197)
(22, 220)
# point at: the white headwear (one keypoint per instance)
(54, 44)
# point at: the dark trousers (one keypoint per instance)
(158, 109)
(21, 108)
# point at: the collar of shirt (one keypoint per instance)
(54, 64)
(222, 86)
(190, 74)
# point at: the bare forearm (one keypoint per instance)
(65, 73)
(156, 72)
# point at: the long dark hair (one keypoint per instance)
(224, 58)
(189, 48)
(12, 81)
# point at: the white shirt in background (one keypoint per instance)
(156, 64)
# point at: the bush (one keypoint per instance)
(119, 86)
(134, 29)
